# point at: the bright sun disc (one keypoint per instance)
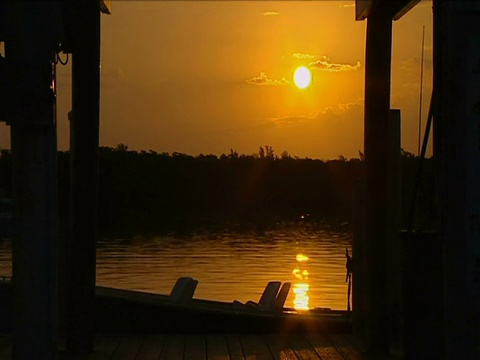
(302, 77)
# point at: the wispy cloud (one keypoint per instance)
(301, 56)
(329, 113)
(271, 13)
(413, 65)
(263, 79)
(326, 65)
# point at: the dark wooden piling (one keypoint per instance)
(457, 162)
(394, 255)
(84, 139)
(29, 47)
(377, 115)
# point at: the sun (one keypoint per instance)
(302, 77)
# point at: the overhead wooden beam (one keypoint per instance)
(394, 8)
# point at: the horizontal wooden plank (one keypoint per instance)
(255, 347)
(128, 348)
(173, 347)
(345, 347)
(302, 348)
(150, 348)
(323, 347)
(105, 346)
(280, 348)
(235, 347)
(217, 347)
(195, 347)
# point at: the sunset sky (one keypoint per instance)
(206, 77)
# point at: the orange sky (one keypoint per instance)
(203, 77)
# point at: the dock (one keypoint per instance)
(217, 346)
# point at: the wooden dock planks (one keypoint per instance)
(235, 350)
(280, 348)
(173, 348)
(302, 348)
(151, 348)
(128, 348)
(255, 347)
(216, 347)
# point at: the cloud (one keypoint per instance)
(301, 56)
(329, 113)
(326, 65)
(413, 64)
(347, 5)
(263, 79)
(333, 131)
(271, 13)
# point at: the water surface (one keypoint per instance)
(228, 266)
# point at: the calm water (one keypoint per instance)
(229, 267)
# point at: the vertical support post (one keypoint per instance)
(377, 115)
(394, 246)
(358, 249)
(84, 140)
(457, 157)
(29, 50)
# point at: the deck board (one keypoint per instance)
(150, 348)
(345, 347)
(105, 346)
(128, 348)
(216, 347)
(173, 347)
(278, 344)
(255, 347)
(235, 350)
(323, 347)
(195, 347)
(302, 348)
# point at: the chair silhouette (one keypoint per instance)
(281, 297)
(269, 295)
(183, 289)
(267, 299)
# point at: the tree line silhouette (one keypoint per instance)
(148, 192)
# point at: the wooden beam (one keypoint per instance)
(30, 45)
(377, 118)
(394, 8)
(84, 139)
(457, 161)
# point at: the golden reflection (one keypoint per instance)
(302, 258)
(301, 286)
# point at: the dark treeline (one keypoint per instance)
(149, 192)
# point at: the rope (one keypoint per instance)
(348, 278)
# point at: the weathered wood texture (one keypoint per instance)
(216, 347)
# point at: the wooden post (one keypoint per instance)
(395, 253)
(29, 49)
(84, 139)
(457, 157)
(358, 250)
(377, 115)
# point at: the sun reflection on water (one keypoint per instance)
(301, 285)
